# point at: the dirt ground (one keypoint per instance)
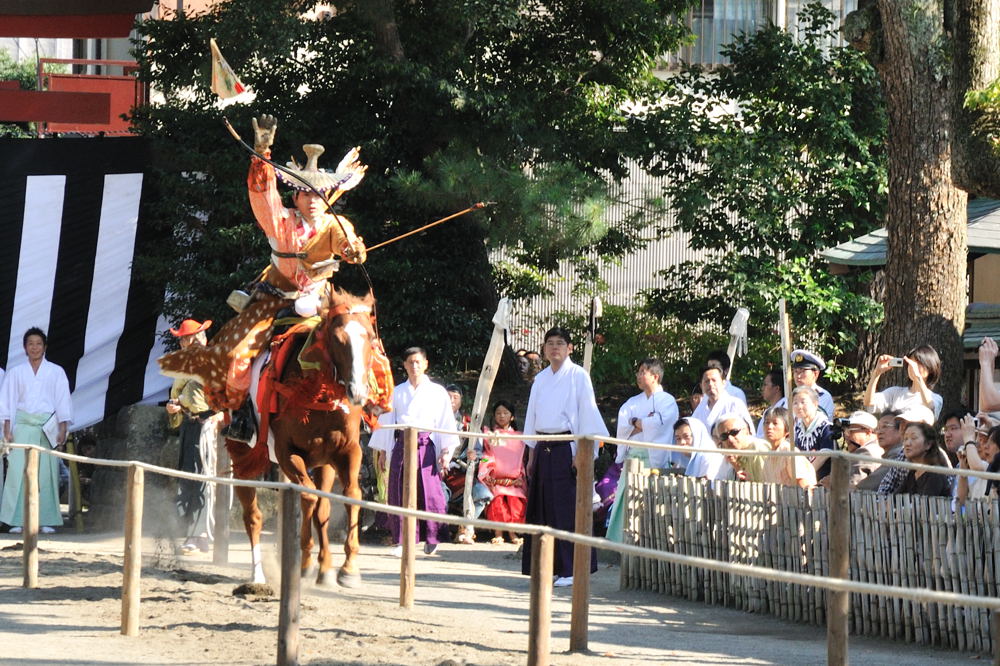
(472, 608)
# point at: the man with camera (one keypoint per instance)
(860, 438)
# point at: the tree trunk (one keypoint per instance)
(926, 262)
(975, 64)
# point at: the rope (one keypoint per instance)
(834, 584)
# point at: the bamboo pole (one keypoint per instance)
(30, 558)
(582, 552)
(223, 500)
(132, 568)
(407, 577)
(289, 609)
(540, 611)
(838, 603)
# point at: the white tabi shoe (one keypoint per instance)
(566, 581)
(396, 551)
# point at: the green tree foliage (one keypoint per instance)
(987, 101)
(451, 101)
(768, 161)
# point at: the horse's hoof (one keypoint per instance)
(309, 572)
(348, 580)
(324, 579)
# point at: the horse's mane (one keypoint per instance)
(333, 296)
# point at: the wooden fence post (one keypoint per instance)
(839, 525)
(540, 610)
(407, 580)
(291, 579)
(223, 501)
(30, 516)
(75, 491)
(132, 568)
(995, 636)
(582, 552)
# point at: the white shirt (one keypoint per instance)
(898, 398)
(825, 401)
(43, 392)
(725, 407)
(563, 402)
(657, 413)
(427, 405)
(736, 392)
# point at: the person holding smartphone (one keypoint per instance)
(923, 367)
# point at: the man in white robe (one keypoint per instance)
(717, 402)
(772, 389)
(31, 394)
(421, 403)
(647, 417)
(561, 402)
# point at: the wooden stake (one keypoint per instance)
(31, 519)
(838, 603)
(223, 498)
(291, 579)
(540, 610)
(581, 552)
(995, 635)
(407, 576)
(75, 492)
(784, 328)
(132, 569)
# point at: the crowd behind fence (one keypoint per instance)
(831, 553)
(909, 540)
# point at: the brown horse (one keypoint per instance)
(317, 427)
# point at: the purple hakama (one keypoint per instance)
(552, 502)
(430, 495)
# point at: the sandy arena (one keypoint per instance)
(472, 608)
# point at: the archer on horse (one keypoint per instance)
(305, 243)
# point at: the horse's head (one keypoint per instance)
(347, 331)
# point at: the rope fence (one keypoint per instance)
(837, 583)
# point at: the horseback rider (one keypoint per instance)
(306, 242)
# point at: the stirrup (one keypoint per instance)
(242, 425)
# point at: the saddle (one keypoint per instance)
(313, 390)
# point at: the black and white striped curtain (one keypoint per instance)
(70, 227)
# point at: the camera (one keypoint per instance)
(896, 362)
(837, 428)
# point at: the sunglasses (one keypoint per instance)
(730, 433)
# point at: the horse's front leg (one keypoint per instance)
(324, 477)
(253, 522)
(294, 467)
(349, 469)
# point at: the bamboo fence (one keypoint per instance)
(902, 540)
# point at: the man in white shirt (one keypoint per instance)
(561, 402)
(422, 403)
(722, 356)
(772, 389)
(647, 417)
(31, 395)
(717, 402)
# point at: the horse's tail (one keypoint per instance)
(248, 463)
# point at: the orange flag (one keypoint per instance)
(225, 84)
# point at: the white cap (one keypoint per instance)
(863, 419)
(917, 414)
